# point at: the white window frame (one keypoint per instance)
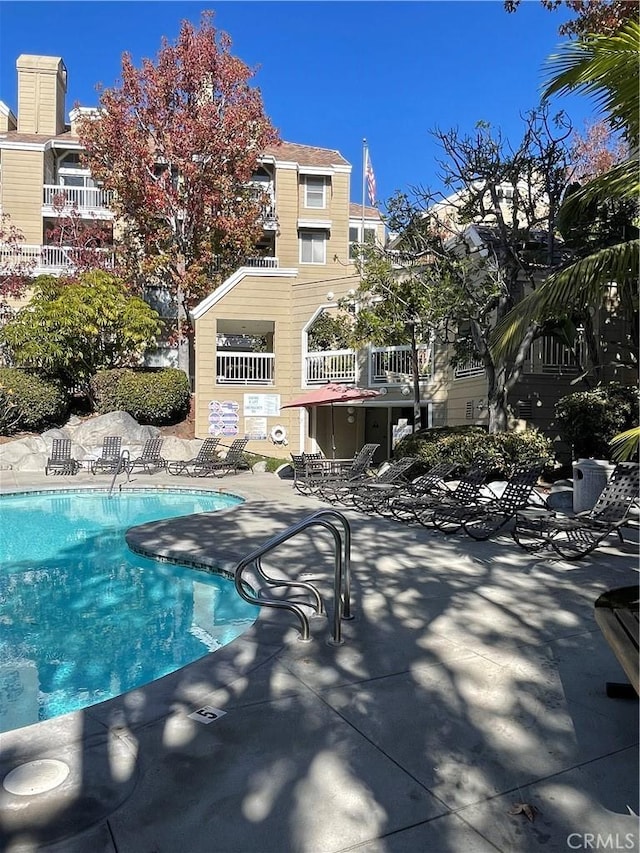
(313, 185)
(310, 238)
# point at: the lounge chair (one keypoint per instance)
(307, 471)
(405, 499)
(575, 537)
(444, 510)
(111, 459)
(337, 473)
(375, 496)
(150, 460)
(60, 461)
(194, 467)
(233, 461)
(493, 513)
(363, 492)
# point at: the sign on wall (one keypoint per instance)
(255, 428)
(223, 418)
(262, 405)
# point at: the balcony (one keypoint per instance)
(330, 366)
(245, 368)
(469, 369)
(35, 260)
(86, 201)
(549, 357)
(392, 365)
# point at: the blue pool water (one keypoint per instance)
(82, 618)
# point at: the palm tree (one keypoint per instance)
(605, 66)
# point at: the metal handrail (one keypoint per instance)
(342, 571)
(122, 466)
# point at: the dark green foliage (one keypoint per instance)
(156, 397)
(35, 403)
(588, 420)
(469, 445)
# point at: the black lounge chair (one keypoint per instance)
(337, 473)
(308, 468)
(406, 499)
(234, 461)
(492, 514)
(111, 459)
(573, 537)
(150, 460)
(363, 492)
(445, 511)
(60, 461)
(195, 467)
(374, 495)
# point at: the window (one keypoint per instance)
(314, 192)
(313, 247)
(354, 238)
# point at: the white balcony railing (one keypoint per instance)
(549, 356)
(262, 263)
(392, 365)
(330, 366)
(35, 260)
(474, 367)
(86, 199)
(245, 368)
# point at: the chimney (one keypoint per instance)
(42, 86)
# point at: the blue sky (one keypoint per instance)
(330, 73)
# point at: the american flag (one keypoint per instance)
(371, 179)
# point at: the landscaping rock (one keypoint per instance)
(90, 433)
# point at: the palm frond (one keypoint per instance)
(622, 182)
(605, 67)
(624, 447)
(584, 283)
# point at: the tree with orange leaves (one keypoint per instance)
(177, 142)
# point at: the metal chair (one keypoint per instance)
(60, 461)
(234, 461)
(489, 517)
(574, 537)
(150, 460)
(207, 455)
(111, 459)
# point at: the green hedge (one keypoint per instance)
(156, 397)
(29, 404)
(588, 420)
(465, 446)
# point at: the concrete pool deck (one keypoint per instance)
(470, 687)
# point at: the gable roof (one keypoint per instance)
(305, 155)
(355, 211)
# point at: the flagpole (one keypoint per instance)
(365, 151)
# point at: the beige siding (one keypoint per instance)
(22, 192)
(41, 93)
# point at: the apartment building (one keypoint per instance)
(252, 350)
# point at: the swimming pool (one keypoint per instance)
(82, 618)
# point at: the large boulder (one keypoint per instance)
(180, 449)
(90, 433)
(25, 454)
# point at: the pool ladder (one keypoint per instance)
(122, 466)
(338, 526)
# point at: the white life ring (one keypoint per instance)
(279, 435)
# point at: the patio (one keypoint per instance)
(468, 691)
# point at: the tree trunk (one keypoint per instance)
(417, 410)
(183, 324)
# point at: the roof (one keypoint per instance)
(37, 138)
(355, 211)
(305, 155)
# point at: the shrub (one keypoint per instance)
(465, 446)
(30, 403)
(156, 397)
(588, 420)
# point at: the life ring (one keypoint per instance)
(279, 435)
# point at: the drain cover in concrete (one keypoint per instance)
(35, 777)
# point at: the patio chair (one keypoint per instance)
(444, 510)
(233, 461)
(406, 499)
(574, 537)
(111, 459)
(493, 513)
(363, 493)
(307, 471)
(338, 472)
(376, 496)
(150, 460)
(60, 461)
(206, 456)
